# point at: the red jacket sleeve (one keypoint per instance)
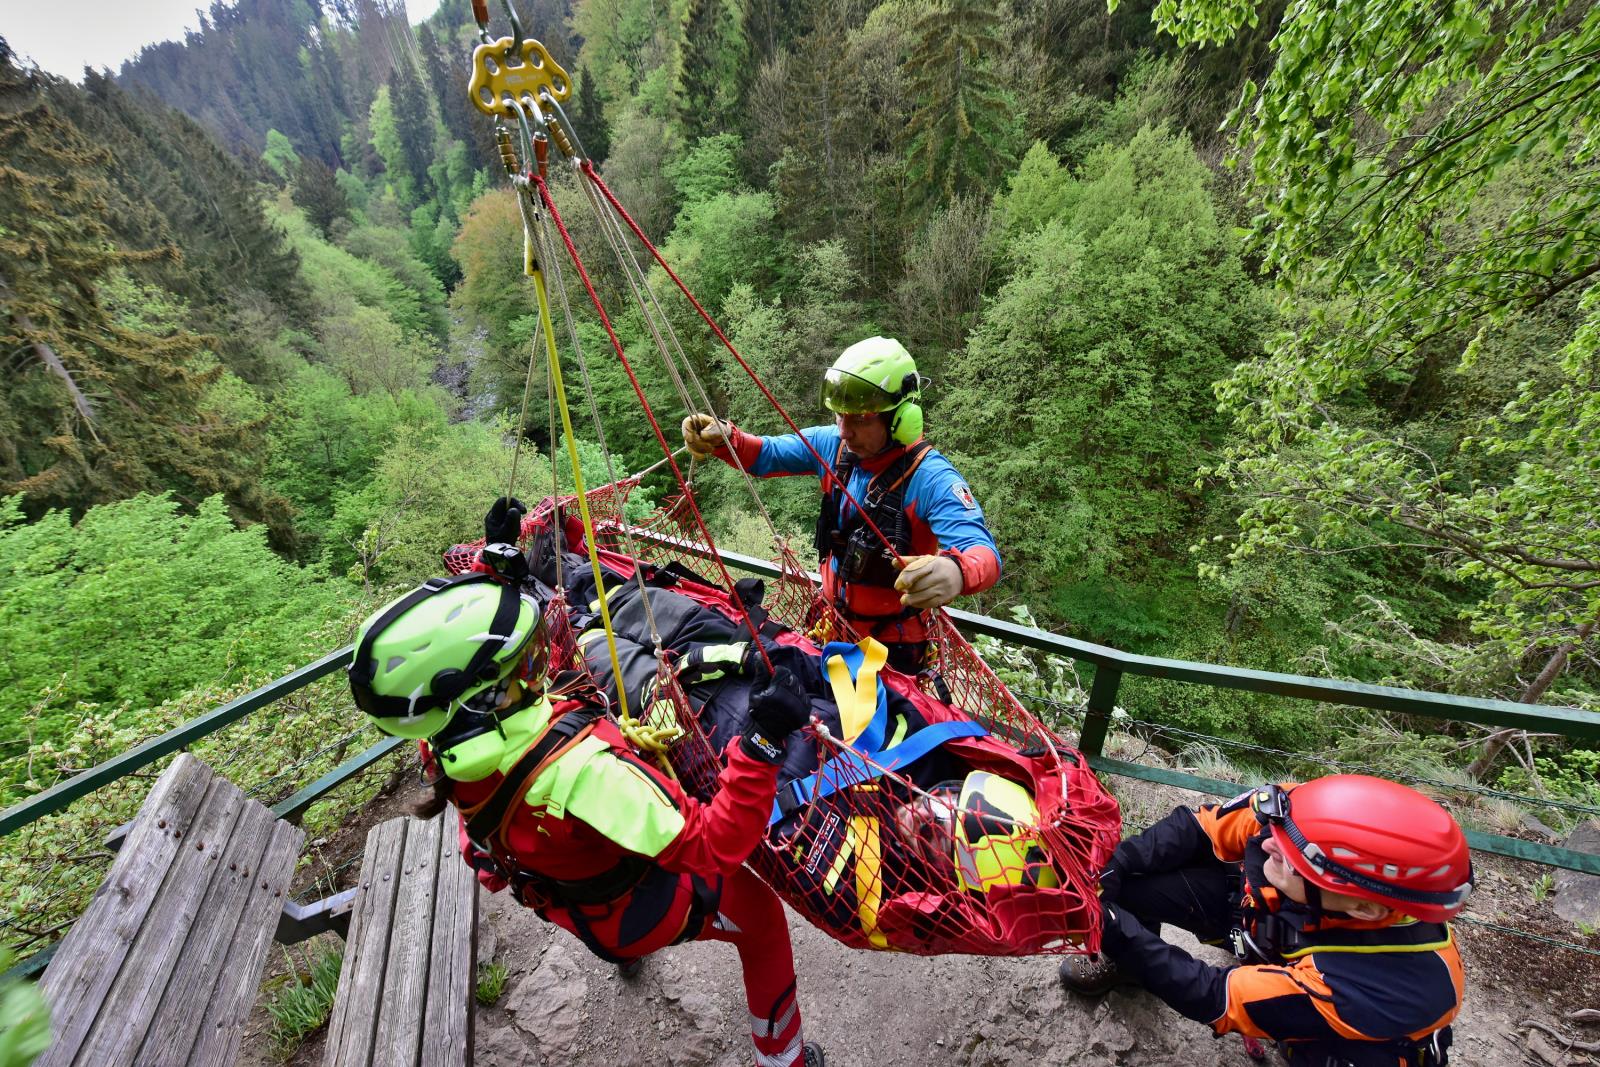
(717, 837)
(748, 446)
(980, 567)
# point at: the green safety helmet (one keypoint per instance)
(420, 659)
(873, 376)
(997, 838)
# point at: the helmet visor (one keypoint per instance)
(844, 393)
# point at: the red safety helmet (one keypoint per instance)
(1374, 839)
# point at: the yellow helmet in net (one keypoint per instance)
(997, 838)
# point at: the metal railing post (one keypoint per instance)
(1102, 698)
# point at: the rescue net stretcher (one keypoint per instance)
(867, 848)
(938, 815)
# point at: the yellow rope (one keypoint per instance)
(653, 739)
(577, 483)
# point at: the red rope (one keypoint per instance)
(605, 320)
(594, 176)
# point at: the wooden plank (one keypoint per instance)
(351, 1033)
(93, 952)
(405, 980)
(337, 1019)
(124, 1017)
(213, 988)
(453, 972)
(222, 1028)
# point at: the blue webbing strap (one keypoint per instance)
(866, 759)
(851, 768)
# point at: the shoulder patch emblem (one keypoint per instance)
(964, 495)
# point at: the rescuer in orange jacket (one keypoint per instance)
(1335, 894)
(911, 493)
(555, 803)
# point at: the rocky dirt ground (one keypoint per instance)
(563, 1007)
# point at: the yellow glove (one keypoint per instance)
(703, 434)
(928, 581)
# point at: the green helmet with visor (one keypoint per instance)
(876, 376)
(422, 658)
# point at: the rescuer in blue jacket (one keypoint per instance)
(912, 494)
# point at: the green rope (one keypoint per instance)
(1525, 935)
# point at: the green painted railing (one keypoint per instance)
(1110, 664)
(61, 794)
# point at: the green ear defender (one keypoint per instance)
(905, 425)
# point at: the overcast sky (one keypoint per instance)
(64, 36)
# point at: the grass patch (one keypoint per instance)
(491, 982)
(305, 1002)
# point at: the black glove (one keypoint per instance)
(504, 521)
(707, 663)
(778, 707)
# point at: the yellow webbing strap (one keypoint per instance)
(858, 698)
(862, 833)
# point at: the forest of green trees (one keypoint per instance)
(1253, 357)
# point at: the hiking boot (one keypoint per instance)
(629, 969)
(813, 1055)
(1090, 976)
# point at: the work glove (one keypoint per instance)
(707, 663)
(704, 434)
(778, 707)
(928, 581)
(503, 524)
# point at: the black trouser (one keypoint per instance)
(1204, 900)
(1201, 900)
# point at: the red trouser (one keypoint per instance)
(750, 916)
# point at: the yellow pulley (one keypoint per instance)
(499, 75)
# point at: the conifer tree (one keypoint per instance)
(820, 159)
(95, 409)
(172, 184)
(769, 26)
(715, 66)
(590, 118)
(447, 76)
(414, 124)
(961, 134)
(318, 194)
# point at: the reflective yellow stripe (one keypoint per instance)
(1428, 946)
(902, 725)
(840, 858)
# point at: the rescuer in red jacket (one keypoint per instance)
(1335, 894)
(555, 803)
